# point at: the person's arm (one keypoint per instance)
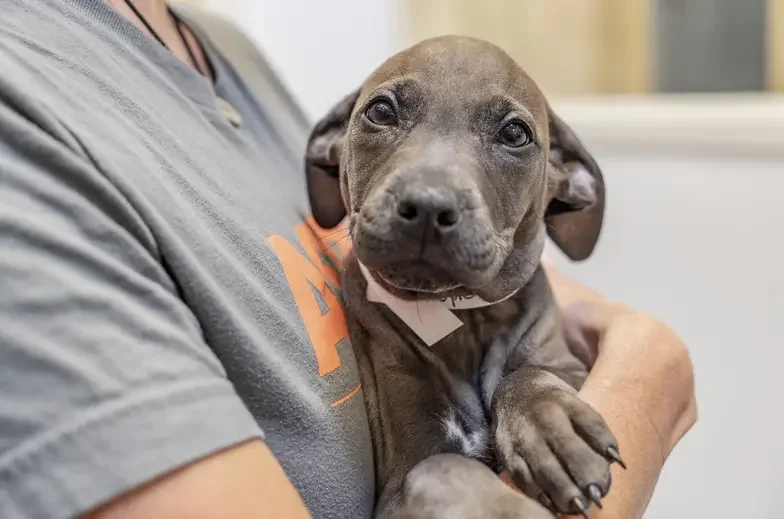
(111, 402)
(642, 383)
(242, 481)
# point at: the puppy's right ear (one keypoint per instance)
(322, 163)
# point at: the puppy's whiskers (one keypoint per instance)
(547, 225)
(334, 243)
(340, 229)
(516, 261)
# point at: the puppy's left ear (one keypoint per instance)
(576, 193)
(322, 163)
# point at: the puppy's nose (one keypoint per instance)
(431, 207)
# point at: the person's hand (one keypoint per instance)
(641, 381)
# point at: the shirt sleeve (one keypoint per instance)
(105, 379)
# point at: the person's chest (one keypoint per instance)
(225, 204)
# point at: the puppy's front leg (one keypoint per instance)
(554, 445)
(450, 486)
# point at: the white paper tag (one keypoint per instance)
(430, 320)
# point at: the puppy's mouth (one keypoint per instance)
(432, 269)
(416, 277)
(422, 257)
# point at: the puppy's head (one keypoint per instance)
(452, 168)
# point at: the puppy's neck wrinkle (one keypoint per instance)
(523, 258)
(458, 293)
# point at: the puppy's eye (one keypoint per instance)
(515, 135)
(382, 113)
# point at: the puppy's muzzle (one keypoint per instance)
(427, 234)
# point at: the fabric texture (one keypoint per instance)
(162, 293)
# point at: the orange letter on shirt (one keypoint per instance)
(325, 330)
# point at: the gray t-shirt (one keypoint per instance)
(162, 295)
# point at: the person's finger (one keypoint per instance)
(582, 341)
(586, 314)
(565, 288)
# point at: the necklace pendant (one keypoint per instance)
(229, 112)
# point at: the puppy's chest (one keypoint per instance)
(465, 349)
(438, 387)
(464, 416)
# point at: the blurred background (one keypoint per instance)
(682, 102)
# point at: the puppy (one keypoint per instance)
(452, 170)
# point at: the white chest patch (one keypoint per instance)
(473, 444)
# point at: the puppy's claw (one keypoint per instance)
(595, 493)
(613, 454)
(580, 504)
(547, 502)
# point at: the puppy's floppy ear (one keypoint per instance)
(322, 163)
(576, 193)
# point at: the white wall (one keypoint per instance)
(694, 234)
(324, 49)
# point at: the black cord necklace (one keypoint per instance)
(177, 25)
(226, 109)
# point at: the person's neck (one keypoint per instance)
(156, 13)
(151, 8)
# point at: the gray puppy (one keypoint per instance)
(453, 169)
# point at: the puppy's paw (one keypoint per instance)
(555, 446)
(448, 486)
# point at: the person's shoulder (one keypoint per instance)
(31, 85)
(40, 43)
(23, 35)
(42, 27)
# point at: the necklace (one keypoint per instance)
(226, 109)
(177, 25)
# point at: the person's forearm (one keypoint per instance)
(243, 481)
(640, 449)
(626, 385)
(615, 399)
(647, 423)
